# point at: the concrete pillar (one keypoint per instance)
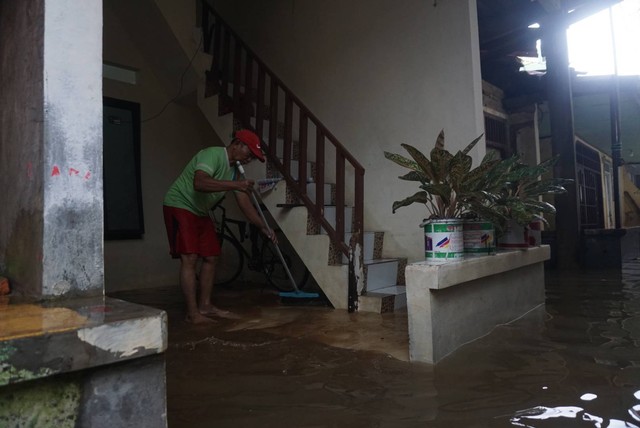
(559, 93)
(51, 147)
(74, 362)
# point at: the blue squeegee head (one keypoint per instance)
(299, 295)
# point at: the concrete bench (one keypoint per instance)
(93, 361)
(455, 303)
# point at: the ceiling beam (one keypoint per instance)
(551, 5)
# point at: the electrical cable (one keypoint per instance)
(184, 73)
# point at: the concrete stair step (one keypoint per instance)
(384, 300)
(328, 190)
(372, 245)
(330, 215)
(380, 273)
(272, 172)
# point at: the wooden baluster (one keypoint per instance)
(273, 118)
(206, 30)
(260, 103)
(340, 205)
(223, 97)
(319, 171)
(358, 216)
(288, 133)
(217, 41)
(248, 91)
(237, 78)
(302, 151)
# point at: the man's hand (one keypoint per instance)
(245, 185)
(271, 234)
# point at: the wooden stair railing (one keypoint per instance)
(234, 63)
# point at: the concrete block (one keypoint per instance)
(452, 304)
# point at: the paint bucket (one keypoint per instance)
(443, 240)
(479, 237)
(515, 236)
(535, 233)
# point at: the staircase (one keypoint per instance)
(319, 201)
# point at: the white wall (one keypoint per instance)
(168, 142)
(377, 73)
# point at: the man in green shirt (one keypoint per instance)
(192, 235)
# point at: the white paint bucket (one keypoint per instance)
(443, 241)
(479, 237)
(515, 236)
(535, 233)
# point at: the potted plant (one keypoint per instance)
(504, 192)
(449, 187)
(516, 198)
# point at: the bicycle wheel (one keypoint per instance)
(274, 269)
(230, 261)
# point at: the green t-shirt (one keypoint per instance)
(215, 162)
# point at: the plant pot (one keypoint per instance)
(535, 233)
(443, 240)
(479, 238)
(518, 236)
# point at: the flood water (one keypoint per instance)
(573, 363)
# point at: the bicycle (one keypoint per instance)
(262, 258)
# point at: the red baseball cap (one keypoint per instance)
(252, 141)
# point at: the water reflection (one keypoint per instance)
(635, 412)
(576, 365)
(571, 416)
(595, 316)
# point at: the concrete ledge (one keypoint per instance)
(41, 339)
(452, 304)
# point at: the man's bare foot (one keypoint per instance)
(198, 319)
(217, 312)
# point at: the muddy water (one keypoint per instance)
(575, 363)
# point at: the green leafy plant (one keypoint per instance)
(520, 187)
(496, 190)
(448, 185)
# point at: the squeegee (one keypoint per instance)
(297, 293)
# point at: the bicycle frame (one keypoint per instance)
(222, 227)
(257, 260)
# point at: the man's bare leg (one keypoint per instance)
(207, 275)
(188, 284)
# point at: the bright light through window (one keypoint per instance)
(591, 45)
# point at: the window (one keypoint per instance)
(123, 217)
(496, 135)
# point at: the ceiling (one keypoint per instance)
(504, 34)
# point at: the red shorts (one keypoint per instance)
(189, 233)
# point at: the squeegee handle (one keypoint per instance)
(264, 220)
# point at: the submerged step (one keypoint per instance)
(380, 274)
(389, 299)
